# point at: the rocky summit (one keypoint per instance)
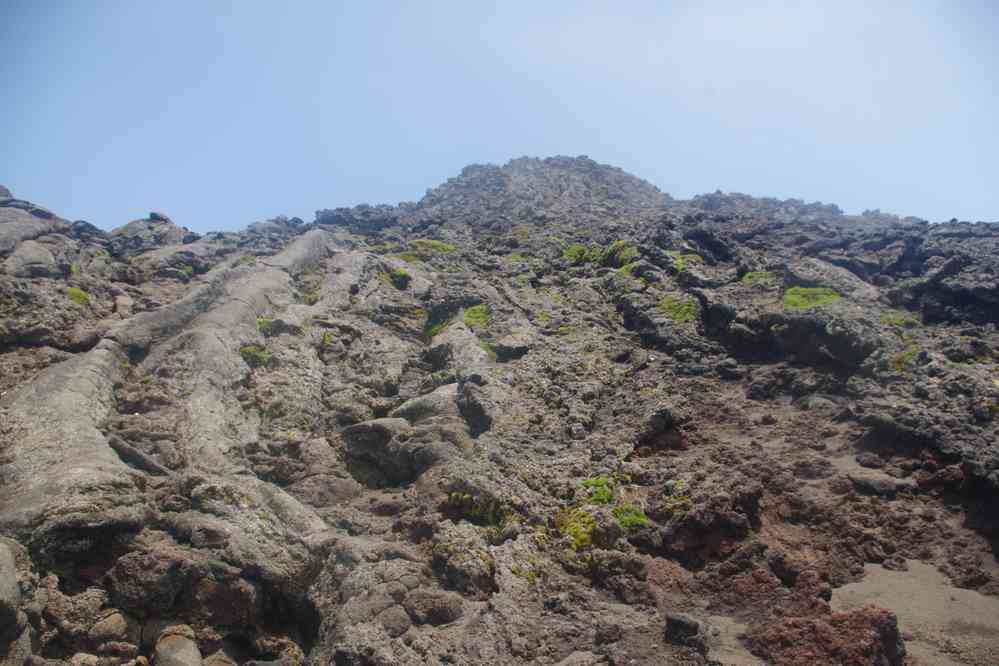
(546, 415)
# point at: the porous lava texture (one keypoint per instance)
(546, 415)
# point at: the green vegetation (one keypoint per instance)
(409, 257)
(576, 254)
(530, 575)
(74, 269)
(517, 257)
(186, 269)
(805, 298)
(477, 316)
(680, 310)
(630, 517)
(255, 356)
(629, 269)
(101, 253)
(679, 501)
(247, 260)
(681, 260)
(78, 296)
(522, 281)
(758, 277)
(618, 253)
(599, 490)
(902, 361)
(578, 525)
(329, 337)
(544, 316)
(489, 349)
(399, 278)
(312, 297)
(521, 231)
(266, 326)
(427, 248)
(480, 510)
(899, 319)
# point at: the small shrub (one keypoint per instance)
(78, 296)
(680, 310)
(599, 490)
(630, 517)
(255, 356)
(758, 277)
(805, 298)
(477, 316)
(186, 269)
(329, 337)
(679, 501)
(897, 319)
(578, 525)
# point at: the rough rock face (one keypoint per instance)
(545, 415)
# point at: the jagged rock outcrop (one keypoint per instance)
(547, 414)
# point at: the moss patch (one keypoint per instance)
(477, 316)
(255, 356)
(575, 254)
(399, 278)
(682, 261)
(630, 517)
(428, 248)
(578, 525)
(680, 310)
(904, 360)
(78, 296)
(805, 298)
(599, 490)
(758, 277)
(899, 319)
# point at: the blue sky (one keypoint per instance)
(223, 113)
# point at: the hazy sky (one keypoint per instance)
(222, 113)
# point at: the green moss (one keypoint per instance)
(904, 360)
(681, 260)
(804, 298)
(599, 490)
(409, 257)
(522, 280)
(398, 278)
(266, 326)
(186, 269)
(101, 253)
(479, 510)
(575, 254)
(578, 525)
(312, 297)
(530, 575)
(434, 328)
(74, 269)
(678, 502)
(477, 316)
(630, 517)
(247, 260)
(758, 277)
(899, 319)
(427, 247)
(517, 257)
(329, 337)
(489, 349)
(618, 253)
(521, 231)
(680, 310)
(78, 296)
(255, 356)
(629, 269)
(544, 316)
